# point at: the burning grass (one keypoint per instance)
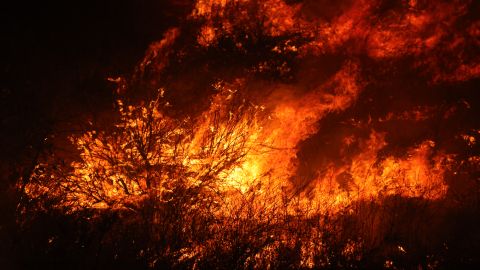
(209, 191)
(288, 164)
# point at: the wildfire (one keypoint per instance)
(305, 115)
(239, 146)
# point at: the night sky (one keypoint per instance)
(56, 57)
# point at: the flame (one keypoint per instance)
(239, 149)
(418, 30)
(266, 139)
(367, 178)
(240, 156)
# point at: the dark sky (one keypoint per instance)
(56, 56)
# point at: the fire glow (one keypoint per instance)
(278, 138)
